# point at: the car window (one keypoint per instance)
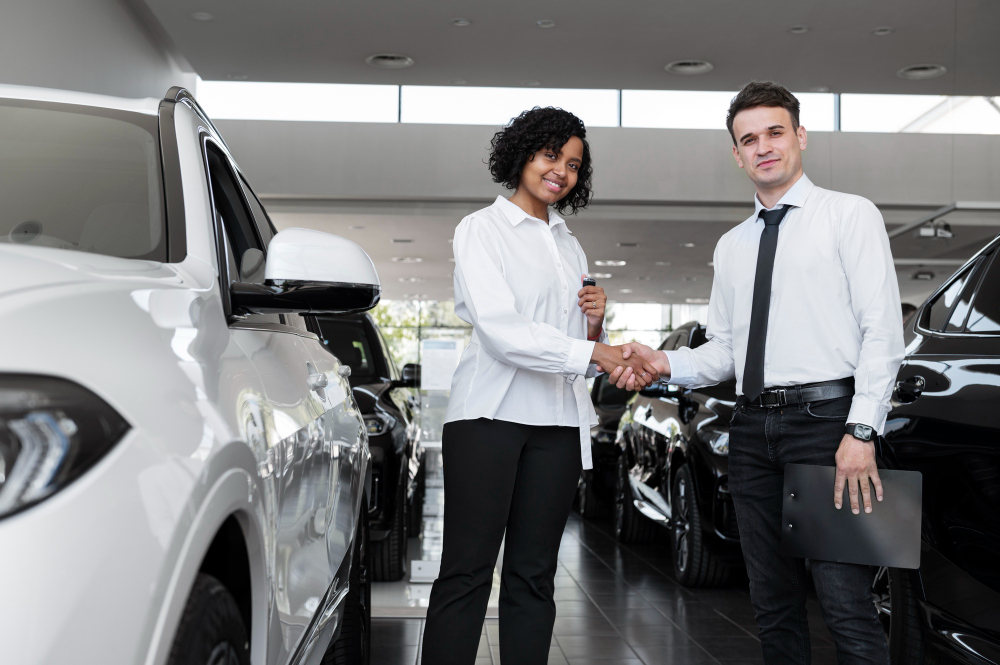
(937, 314)
(956, 322)
(81, 178)
(394, 372)
(264, 226)
(348, 340)
(240, 230)
(985, 315)
(670, 343)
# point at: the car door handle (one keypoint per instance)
(317, 381)
(910, 388)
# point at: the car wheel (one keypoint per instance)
(631, 526)
(389, 554)
(353, 646)
(895, 594)
(415, 516)
(211, 630)
(588, 503)
(694, 565)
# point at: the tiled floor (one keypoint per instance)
(615, 603)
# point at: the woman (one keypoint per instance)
(517, 431)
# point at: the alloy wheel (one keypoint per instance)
(682, 525)
(223, 654)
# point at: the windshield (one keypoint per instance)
(81, 178)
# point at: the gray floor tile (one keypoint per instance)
(595, 648)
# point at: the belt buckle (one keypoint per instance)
(781, 396)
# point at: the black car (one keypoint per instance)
(388, 399)
(945, 423)
(673, 472)
(595, 492)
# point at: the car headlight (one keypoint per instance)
(719, 443)
(51, 432)
(378, 423)
(602, 435)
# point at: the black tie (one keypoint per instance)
(753, 370)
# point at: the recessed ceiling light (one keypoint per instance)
(601, 275)
(531, 83)
(644, 278)
(412, 280)
(882, 31)
(202, 16)
(628, 244)
(689, 67)
(461, 22)
(546, 23)
(689, 245)
(402, 241)
(663, 263)
(457, 81)
(799, 29)
(389, 61)
(407, 259)
(669, 291)
(625, 290)
(696, 301)
(922, 72)
(608, 263)
(923, 275)
(821, 88)
(688, 278)
(356, 227)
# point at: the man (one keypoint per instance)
(805, 314)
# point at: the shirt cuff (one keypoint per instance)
(681, 368)
(580, 353)
(866, 412)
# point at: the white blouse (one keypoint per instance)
(516, 282)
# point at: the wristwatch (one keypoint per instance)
(860, 432)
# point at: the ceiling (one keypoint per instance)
(595, 43)
(660, 233)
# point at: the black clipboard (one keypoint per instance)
(812, 528)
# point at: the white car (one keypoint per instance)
(182, 464)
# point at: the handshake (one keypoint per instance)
(631, 366)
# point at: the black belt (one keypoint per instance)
(810, 392)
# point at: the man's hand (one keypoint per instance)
(637, 370)
(855, 465)
(626, 380)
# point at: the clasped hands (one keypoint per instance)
(635, 365)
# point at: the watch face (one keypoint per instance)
(863, 432)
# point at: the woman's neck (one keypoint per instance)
(530, 204)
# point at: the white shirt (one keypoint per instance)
(834, 309)
(516, 282)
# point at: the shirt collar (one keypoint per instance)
(795, 196)
(515, 215)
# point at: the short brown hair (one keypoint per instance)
(762, 93)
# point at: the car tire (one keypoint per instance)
(631, 526)
(694, 564)
(588, 503)
(415, 515)
(896, 601)
(389, 554)
(353, 645)
(211, 630)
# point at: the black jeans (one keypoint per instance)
(761, 442)
(500, 476)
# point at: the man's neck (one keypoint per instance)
(770, 197)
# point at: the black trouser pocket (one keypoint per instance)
(830, 409)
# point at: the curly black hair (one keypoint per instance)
(532, 131)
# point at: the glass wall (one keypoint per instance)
(663, 109)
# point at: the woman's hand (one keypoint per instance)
(634, 371)
(592, 303)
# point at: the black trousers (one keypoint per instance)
(500, 476)
(761, 442)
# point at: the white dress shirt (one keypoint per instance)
(516, 282)
(834, 309)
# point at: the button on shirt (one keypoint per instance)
(516, 282)
(834, 309)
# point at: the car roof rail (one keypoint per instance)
(181, 94)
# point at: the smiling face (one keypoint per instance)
(768, 148)
(548, 175)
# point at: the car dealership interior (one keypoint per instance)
(277, 147)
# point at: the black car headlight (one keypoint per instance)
(378, 423)
(51, 432)
(719, 443)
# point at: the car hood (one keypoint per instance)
(24, 268)
(367, 395)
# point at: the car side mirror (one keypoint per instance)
(411, 376)
(310, 272)
(660, 390)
